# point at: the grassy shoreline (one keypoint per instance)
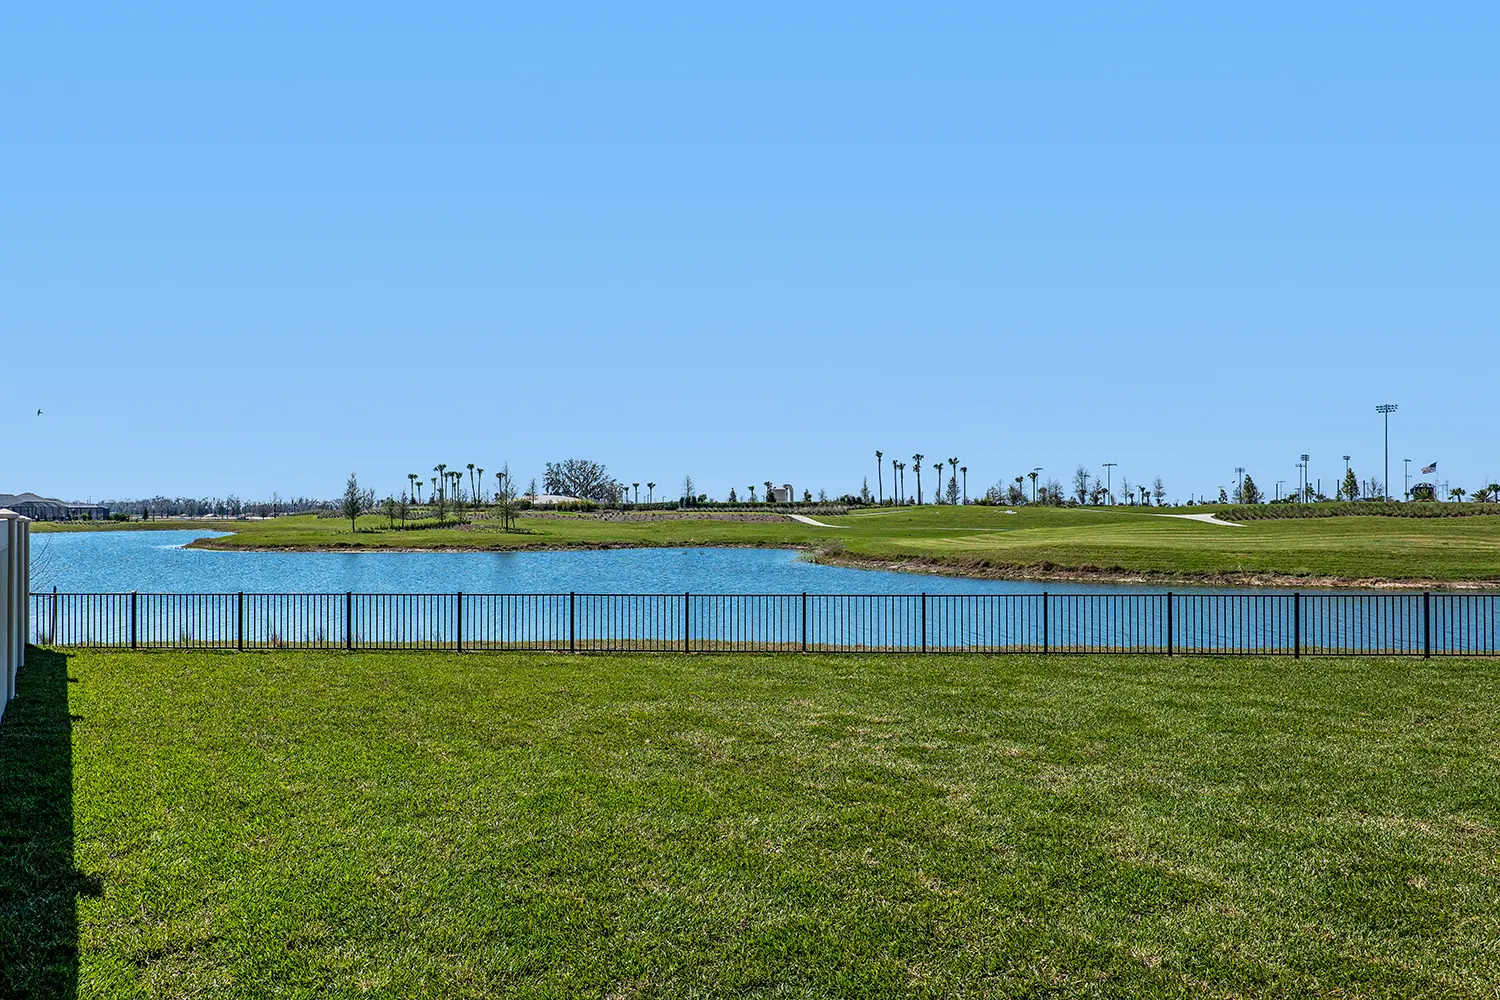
(1037, 544)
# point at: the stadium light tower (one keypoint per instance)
(1239, 493)
(1302, 497)
(1108, 491)
(1385, 410)
(1406, 477)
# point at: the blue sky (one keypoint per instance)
(244, 252)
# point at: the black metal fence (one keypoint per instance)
(1274, 624)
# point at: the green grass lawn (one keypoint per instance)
(1032, 542)
(441, 825)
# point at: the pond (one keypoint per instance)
(341, 600)
(157, 562)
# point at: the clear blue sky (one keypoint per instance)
(253, 251)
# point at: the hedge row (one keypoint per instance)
(1344, 508)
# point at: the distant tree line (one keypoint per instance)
(230, 506)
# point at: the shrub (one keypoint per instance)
(1359, 508)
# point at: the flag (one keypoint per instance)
(1428, 470)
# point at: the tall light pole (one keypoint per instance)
(1406, 478)
(1107, 490)
(1303, 495)
(1239, 491)
(1385, 410)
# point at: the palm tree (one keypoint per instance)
(471, 481)
(1033, 486)
(965, 470)
(878, 469)
(412, 478)
(477, 497)
(649, 488)
(1458, 493)
(954, 462)
(893, 483)
(752, 492)
(937, 487)
(442, 470)
(902, 467)
(917, 461)
(1494, 489)
(768, 491)
(637, 487)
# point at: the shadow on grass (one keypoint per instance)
(39, 887)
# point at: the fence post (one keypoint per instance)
(132, 619)
(1426, 624)
(1169, 623)
(239, 622)
(687, 623)
(53, 640)
(1297, 625)
(804, 621)
(349, 619)
(459, 640)
(1045, 630)
(924, 621)
(571, 647)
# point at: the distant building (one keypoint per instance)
(780, 494)
(51, 509)
(551, 499)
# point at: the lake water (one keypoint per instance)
(913, 612)
(156, 561)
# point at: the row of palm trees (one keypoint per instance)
(1484, 494)
(898, 477)
(447, 484)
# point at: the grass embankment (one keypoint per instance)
(1032, 543)
(418, 824)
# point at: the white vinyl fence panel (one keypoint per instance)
(15, 586)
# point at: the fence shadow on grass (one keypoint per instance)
(39, 887)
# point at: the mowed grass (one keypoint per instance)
(988, 541)
(1343, 547)
(399, 825)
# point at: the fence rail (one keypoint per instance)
(1267, 624)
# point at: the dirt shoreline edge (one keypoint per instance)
(933, 567)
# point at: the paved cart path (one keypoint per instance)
(816, 524)
(1205, 518)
